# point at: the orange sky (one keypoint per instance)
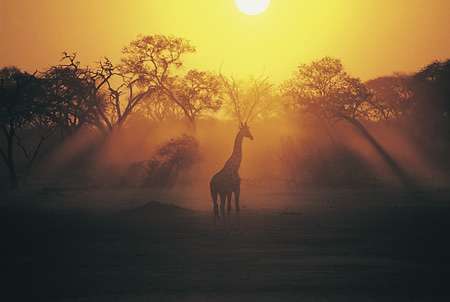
(372, 37)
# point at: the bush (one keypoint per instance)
(165, 166)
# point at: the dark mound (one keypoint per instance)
(158, 209)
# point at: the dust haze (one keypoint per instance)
(110, 174)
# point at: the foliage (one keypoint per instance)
(23, 107)
(155, 61)
(75, 93)
(22, 98)
(159, 108)
(199, 92)
(250, 100)
(324, 89)
(431, 89)
(391, 96)
(166, 164)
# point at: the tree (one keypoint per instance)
(250, 100)
(76, 95)
(391, 97)
(431, 94)
(198, 92)
(101, 96)
(156, 61)
(124, 94)
(23, 108)
(325, 90)
(160, 109)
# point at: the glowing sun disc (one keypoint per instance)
(252, 7)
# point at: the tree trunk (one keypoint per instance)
(193, 126)
(387, 158)
(330, 135)
(9, 160)
(13, 179)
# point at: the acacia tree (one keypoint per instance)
(423, 97)
(250, 100)
(160, 109)
(324, 89)
(391, 97)
(124, 93)
(23, 108)
(101, 96)
(198, 92)
(75, 94)
(431, 95)
(155, 61)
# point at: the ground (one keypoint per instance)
(325, 245)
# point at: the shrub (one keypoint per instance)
(169, 160)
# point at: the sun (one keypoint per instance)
(252, 7)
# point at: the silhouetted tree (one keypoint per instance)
(23, 108)
(325, 90)
(250, 100)
(101, 96)
(198, 92)
(431, 95)
(391, 97)
(124, 93)
(160, 108)
(75, 93)
(155, 61)
(169, 160)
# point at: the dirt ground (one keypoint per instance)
(335, 245)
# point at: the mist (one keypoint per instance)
(143, 179)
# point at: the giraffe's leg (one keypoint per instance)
(229, 203)
(237, 194)
(215, 207)
(222, 205)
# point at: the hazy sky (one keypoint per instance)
(372, 37)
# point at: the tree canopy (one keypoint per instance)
(324, 89)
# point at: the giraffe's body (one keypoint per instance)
(227, 181)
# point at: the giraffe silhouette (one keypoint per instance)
(227, 181)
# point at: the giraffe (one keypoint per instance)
(227, 181)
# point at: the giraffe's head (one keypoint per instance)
(244, 130)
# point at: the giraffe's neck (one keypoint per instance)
(234, 162)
